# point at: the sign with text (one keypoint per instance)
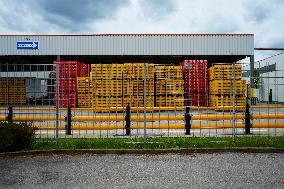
(33, 45)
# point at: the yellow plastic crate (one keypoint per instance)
(170, 87)
(102, 88)
(13, 90)
(127, 87)
(84, 101)
(160, 101)
(116, 71)
(173, 72)
(226, 72)
(96, 67)
(227, 67)
(84, 97)
(160, 72)
(138, 101)
(138, 87)
(215, 101)
(127, 70)
(116, 101)
(84, 85)
(7, 81)
(127, 100)
(115, 87)
(94, 76)
(227, 87)
(102, 101)
(138, 70)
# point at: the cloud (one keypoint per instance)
(61, 16)
(157, 9)
(261, 17)
(75, 14)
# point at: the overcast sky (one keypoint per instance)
(264, 18)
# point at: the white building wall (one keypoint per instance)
(271, 79)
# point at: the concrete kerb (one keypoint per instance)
(36, 153)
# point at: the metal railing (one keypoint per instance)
(141, 100)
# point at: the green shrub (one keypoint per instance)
(16, 136)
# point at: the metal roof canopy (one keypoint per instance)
(106, 48)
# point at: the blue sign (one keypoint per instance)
(27, 45)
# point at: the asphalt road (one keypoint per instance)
(227, 170)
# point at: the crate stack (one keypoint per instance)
(68, 71)
(169, 86)
(133, 84)
(84, 91)
(116, 85)
(225, 82)
(12, 90)
(107, 82)
(195, 82)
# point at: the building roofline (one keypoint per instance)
(126, 34)
(269, 57)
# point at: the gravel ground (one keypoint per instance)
(227, 170)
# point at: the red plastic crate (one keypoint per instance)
(85, 70)
(195, 82)
(191, 100)
(66, 90)
(66, 100)
(188, 64)
(66, 84)
(72, 69)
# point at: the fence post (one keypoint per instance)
(187, 117)
(247, 119)
(10, 114)
(68, 121)
(127, 120)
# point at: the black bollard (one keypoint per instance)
(127, 120)
(247, 119)
(270, 95)
(68, 120)
(10, 114)
(187, 117)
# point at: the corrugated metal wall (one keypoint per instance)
(131, 44)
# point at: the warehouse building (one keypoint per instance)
(106, 48)
(35, 54)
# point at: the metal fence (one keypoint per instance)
(75, 100)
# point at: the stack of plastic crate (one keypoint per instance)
(116, 73)
(84, 92)
(68, 71)
(100, 77)
(133, 84)
(107, 82)
(169, 86)
(195, 82)
(12, 90)
(225, 85)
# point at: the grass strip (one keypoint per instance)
(158, 143)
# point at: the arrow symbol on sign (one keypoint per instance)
(34, 45)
